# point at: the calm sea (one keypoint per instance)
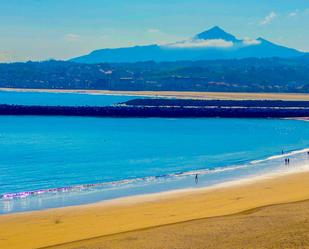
(74, 160)
(59, 99)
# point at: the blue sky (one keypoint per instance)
(60, 29)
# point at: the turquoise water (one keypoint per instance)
(120, 157)
(60, 99)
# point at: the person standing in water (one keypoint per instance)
(196, 179)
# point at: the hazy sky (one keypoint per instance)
(60, 29)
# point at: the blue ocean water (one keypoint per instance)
(60, 99)
(119, 156)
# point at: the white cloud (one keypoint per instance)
(269, 18)
(249, 42)
(153, 30)
(217, 43)
(293, 13)
(72, 37)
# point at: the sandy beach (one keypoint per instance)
(135, 221)
(277, 226)
(192, 95)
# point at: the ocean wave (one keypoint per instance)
(149, 179)
(284, 155)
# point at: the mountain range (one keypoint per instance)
(212, 44)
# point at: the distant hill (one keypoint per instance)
(212, 44)
(235, 75)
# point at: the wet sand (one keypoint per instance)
(175, 220)
(194, 95)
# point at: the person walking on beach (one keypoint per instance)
(196, 179)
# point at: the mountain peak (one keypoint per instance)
(212, 44)
(216, 28)
(261, 39)
(216, 33)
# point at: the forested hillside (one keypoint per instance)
(247, 75)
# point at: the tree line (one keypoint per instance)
(239, 75)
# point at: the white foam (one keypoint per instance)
(153, 179)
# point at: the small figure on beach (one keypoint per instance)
(288, 160)
(196, 179)
(282, 152)
(285, 161)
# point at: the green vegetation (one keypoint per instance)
(242, 75)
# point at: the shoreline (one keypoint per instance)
(45, 228)
(146, 211)
(177, 94)
(300, 165)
